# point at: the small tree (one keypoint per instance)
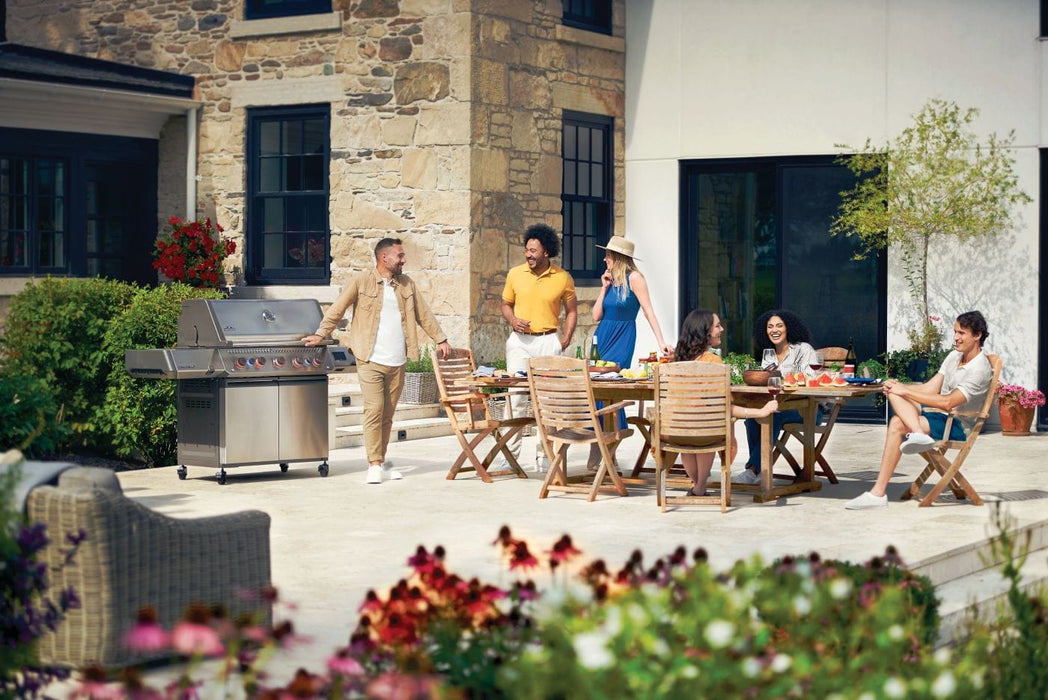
(936, 181)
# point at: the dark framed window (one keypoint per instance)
(77, 204)
(586, 192)
(265, 9)
(1042, 308)
(33, 215)
(289, 151)
(592, 15)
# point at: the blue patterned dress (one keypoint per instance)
(617, 330)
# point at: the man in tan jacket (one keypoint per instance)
(387, 310)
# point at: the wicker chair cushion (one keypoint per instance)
(89, 479)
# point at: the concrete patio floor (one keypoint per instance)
(334, 538)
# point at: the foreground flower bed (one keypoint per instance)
(673, 627)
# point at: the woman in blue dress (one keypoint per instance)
(623, 293)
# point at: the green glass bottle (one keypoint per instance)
(578, 352)
(594, 350)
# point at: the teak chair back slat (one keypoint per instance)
(468, 412)
(692, 416)
(566, 414)
(949, 469)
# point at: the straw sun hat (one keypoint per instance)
(620, 245)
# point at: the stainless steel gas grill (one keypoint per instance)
(249, 391)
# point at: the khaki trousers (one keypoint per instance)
(381, 386)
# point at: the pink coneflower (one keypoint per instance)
(395, 686)
(147, 635)
(521, 558)
(344, 665)
(371, 603)
(505, 538)
(563, 550)
(193, 636)
(95, 685)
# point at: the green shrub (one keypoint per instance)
(139, 415)
(739, 362)
(424, 363)
(55, 329)
(30, 419)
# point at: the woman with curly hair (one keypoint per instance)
(700, 332)
(785, 333)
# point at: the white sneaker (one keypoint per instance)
(915, 443)
(748, 476)
(374, 474)
(389, 473)
(867, 500)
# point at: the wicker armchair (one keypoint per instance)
(133, 557)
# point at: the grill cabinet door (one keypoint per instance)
(303, 418)
(250, 426)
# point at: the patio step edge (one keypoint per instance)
(413, 429)
(972, 559)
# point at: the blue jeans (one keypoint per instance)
(753, 434)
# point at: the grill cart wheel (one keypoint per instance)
(283, 467)
(182, 472)
(221, 476)
(323, 469)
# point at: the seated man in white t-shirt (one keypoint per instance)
(962, 381)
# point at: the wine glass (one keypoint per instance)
(774, 386)
(815, 364)
(769, 359)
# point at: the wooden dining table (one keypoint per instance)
(805, 400)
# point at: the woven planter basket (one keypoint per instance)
(420, 388)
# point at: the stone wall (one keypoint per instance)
(445, 121)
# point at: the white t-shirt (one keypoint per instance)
(972, 379)
(390, 345)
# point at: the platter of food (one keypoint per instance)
(798, 380)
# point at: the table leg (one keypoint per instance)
(808, 414)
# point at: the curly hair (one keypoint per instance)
(796, 331)
(694, 335)
(546, 236)
(975, 323)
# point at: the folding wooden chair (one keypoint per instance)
(950, 469)
(566, 414)
(469, 413)
(823, 429)
(692, 416)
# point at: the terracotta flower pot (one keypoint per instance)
(1015, 419)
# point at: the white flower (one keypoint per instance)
(613, 622)
(751, 667)
(689, 672)
(637, 613)
(719, 633)
(944, 685)
(592, 650)
(895, 633)
(894, 688)
(781, 662)
(802, 605)
(660, 647)
(866, 696)
(840, 588)
(942, 656)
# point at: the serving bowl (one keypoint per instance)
(759, 377)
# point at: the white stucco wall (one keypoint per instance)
(743, 78)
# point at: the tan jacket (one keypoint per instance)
(364, 293)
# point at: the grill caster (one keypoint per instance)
(283, 467)
(221, 476)
(182, 473)
(323, 469)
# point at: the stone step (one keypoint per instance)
(413, 429)
(354, 414)
(968, 582)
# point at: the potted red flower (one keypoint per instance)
(192, 252)
(1017, 405)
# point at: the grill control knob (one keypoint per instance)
(278, 362)
(240, 363)
(316, 361)
(260, 362)
(296, 362)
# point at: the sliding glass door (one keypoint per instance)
(755, 237)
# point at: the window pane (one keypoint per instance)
(269, 174)
(596, 180)
(597, 150)
(273, 251)
(570, 148)
(570, 184)
(269, 138)
(315, 137)
(292, 137)
(584, 143)
(273, 215)
(292, 174)
(584, 183)
(313, 172)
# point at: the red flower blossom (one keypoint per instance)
(147, 635)
(563, 551)
(187, 253)
(522, 558)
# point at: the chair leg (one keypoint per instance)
(556, 467)
(468, 447)
(500, 446)
(608, 468)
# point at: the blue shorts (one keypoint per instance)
(937, 425)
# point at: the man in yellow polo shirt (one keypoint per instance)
(531, 303)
